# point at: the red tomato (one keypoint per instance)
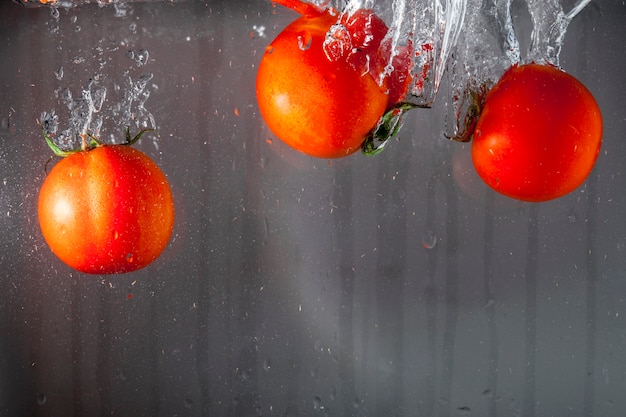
(107, 210)
(538, 135)
(320, 93)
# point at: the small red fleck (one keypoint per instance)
(129, 296)
(236, 111)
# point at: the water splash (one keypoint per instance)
(550, 25)
(469, 43)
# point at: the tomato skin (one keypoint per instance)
(539, 134)
(108, 210)
(325, 106)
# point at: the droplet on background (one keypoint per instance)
(317, 403)
(429, 240)
(304, 41)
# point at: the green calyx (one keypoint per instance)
(89, 142)
(387, 127)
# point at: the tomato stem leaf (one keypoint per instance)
(387, 127)
(54, 147)
(132, 141)
(476, 98)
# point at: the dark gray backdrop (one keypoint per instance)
(389, 286)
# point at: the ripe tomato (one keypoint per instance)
(107, 210)
(538, 135)
(320, 93)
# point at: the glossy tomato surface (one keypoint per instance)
(108, 210)
(323, 99)
(539, 134)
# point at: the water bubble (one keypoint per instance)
(267, 364)
(317, 403)
(304, 41)
(260, 30)
(337, 43)
(141, 57)
(464, 410)
(571, 217)
(41, 398)
(121, 375)
(120, 9)
(429, 239)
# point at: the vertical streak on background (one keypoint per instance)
(390, 272)
(153, 347)
(452, 302)
(532, 251)
(344, 241)
(592, 277)
(76, 344)
(103, 349)
(252, 280)
(582, 61)
(203, 311)
(430, 298)
(203, 306)
(490, 304)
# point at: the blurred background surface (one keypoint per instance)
(395, 285)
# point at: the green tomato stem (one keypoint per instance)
(387, 127)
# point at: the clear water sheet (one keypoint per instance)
(466, 43)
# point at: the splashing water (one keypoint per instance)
(469, 43)
(108, 103)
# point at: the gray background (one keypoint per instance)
(389, 286)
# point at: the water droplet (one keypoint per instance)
(129, 258)
(356, 402)
(488, 393)
(304, 41)
(429, 239)
(188, 403)
(464, 410)
(317, 403)
(267, 364)
(141, 57)
(116, 235)
(337, 43)
(41, 398)
(59, 74)
(571, 218)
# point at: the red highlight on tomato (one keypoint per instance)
(538, 135)
(106, 210)
(319, 85)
